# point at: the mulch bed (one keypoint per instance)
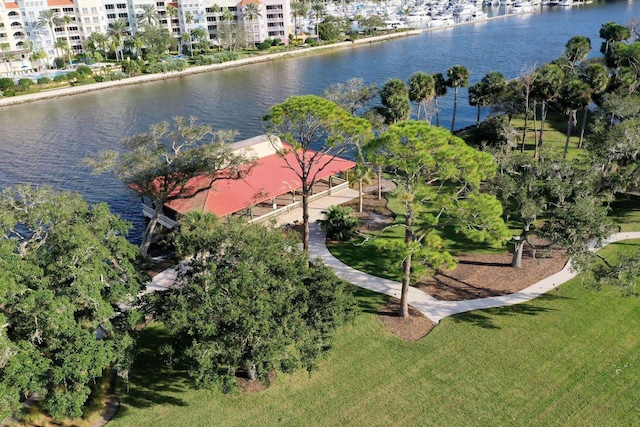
(475, 276)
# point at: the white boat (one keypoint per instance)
(505, 2)
(565, 3)
(521, 7)
(465, 9)
(478, 16)
(419, 17)
(395, 23)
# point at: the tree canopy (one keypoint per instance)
(160, 163)
(310, 122)
(438, 178)
(66, 271)
(249, 300)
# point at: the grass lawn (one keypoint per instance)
(571, 357)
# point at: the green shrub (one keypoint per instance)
(60, 78)
(25, 83)
(73, 75)
(265, 45)
(339, 223)
(84, 70)
(203, 60)
(6, 83)
(276, 42)
(44, 80)
(179, 64)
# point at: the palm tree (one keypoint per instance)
(441, 90)
(575, 95)
(546, 89)
(317, 10)
(48, 19)
(421, 89)
(298, 10)
(597, 77)
(118, 30)
(38, 56)
(363, 175)
(100, 42)
(61, 45)
(171, 13)
(148, 15)
(5, 48)
(251, 12)
(458, 76)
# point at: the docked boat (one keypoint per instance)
(565, 3)
(418, 17)
(464, 9)
(522, 7)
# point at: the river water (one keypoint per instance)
(45, 142)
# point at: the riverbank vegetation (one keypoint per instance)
(250, 304)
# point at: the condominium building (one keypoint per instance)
(25, 29)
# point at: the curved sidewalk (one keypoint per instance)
(432, 308)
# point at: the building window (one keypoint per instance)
(85, 10)
(13, 13)
(111, 16)
(67, 9)
(73, 28)
(75, 37)
(109, 6)
(96, 20)
(160, 3)
(123, 15)
(94, 10)
(122, 5)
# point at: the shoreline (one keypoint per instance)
(146, 78)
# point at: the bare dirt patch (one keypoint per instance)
(410, 328)
(247, 386)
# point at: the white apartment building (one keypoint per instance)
(20, 21)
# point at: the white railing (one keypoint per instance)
(162, 220)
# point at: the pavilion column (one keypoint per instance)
(293, 196)
(273, 203)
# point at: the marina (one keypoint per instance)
(44, 143)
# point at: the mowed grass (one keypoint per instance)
(570, 357)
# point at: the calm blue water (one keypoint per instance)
(44, 142)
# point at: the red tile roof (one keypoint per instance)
(60, 2)
(246, 2)
(270, 177)
(12, 5)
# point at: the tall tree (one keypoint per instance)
(546, 89)
(50, 19)
(457, 77)
(310, 122)
(160, 164)
(612, 32)
(66, 272)
(597, 77)
(299, 9)
(576, 50)
(394, 98)
(118, 30)
(422, 89)
(171, 12)
(148, 14)
(318, 12)
(251, 301)
(353, 95)
(574, 95)
(438, 178)
(477, 98)
(441, 90)
(251, 12)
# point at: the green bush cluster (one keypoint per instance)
(110, 76)
(216, 58)
(60, 78)
(25, 83)
(166, 66)
(265, 45)
(44, 80)
(6, 83)
(340, 223)
(84, 70)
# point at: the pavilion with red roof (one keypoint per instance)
(269, 189)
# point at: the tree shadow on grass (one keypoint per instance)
(151, 381)
(369, 301)
(486, 318)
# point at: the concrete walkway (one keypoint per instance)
(432, 308)
(435, 309)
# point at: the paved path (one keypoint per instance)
(432, 308)
(429, 306)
